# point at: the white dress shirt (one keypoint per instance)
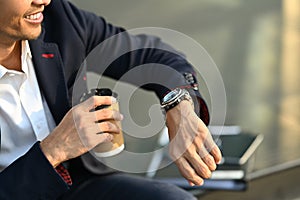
(24, 114)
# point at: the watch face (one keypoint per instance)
(171, 95)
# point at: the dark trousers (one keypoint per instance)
(118, 186)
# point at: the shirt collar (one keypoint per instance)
(26, 54)
(3, 71)
(26, 49)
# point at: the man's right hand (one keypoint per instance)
(79, 131)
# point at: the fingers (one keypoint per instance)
(196, 168)
(97, 126)
(108, 127)
(213, 149)
(200, 159)
(95, 101)
(205, 155)
(188, 172)
(216, 153)
(105, 137)
(107, 114)
(194, 159)
(96, 133)
(210, 151)
(99, 115)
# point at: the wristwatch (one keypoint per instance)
(174, 97)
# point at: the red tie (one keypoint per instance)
(63, 172)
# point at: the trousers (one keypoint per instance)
(118, 186)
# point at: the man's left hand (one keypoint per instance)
(191, 145)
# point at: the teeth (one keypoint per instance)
(34, 16)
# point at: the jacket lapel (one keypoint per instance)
(50, 75)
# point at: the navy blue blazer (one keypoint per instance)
(69, 35)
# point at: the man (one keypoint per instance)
(42, 46)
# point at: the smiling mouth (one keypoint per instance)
(35, 18)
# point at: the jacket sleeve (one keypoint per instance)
(145, 60)
(142, 60)
(31, 177)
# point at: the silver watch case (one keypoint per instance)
(174, 97)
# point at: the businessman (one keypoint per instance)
(45, 140)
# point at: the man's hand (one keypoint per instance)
(79, 131)
(191, 145)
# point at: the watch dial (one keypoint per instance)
(171, 95)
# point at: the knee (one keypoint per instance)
(165, 191)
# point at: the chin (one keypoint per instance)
(33, 37)
(28, 37)
(31, 34)
(34, 34)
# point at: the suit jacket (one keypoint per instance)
(68, 36)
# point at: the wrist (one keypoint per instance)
(175, 117)
(53, 158)
(184, 105)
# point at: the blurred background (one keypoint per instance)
(256, 47)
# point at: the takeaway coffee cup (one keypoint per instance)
(115, 146)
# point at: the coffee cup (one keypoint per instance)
(114, 147)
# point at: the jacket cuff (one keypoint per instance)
(32, 177)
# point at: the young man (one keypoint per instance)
(42, 46)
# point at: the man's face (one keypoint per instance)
(21, 19)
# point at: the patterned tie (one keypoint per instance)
(63, 172)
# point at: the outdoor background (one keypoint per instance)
(255, 45)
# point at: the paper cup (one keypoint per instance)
(115, 146)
